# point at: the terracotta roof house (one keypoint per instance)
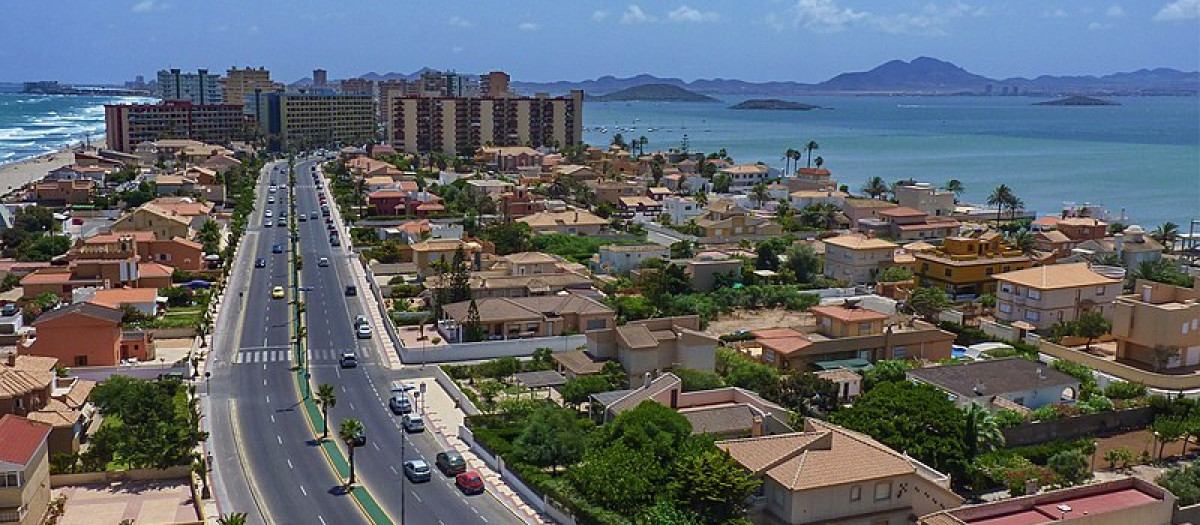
(729, 412)
(573, 222)
(655, 345)
(907, 224)
(828, 474)
(88, 334)
(24, 458)
(1057, 293)
(144, 300)
(30, 387)
(1119, 502)
(1021, 381)
(525, 317)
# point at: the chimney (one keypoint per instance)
(1119, 244)
(646, 380)
(12, 359)
(756, 426)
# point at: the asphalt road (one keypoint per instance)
(363, 391)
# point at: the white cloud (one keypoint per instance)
(599, 16)
(457, 49)
(1178, 10)
(460, 22)
(528, 26)
(1057, 12)
(826, 16)
(687, 14)
(1114, 11)
(253, 29)
(1097, 26)
(634, 15)
(146, 6)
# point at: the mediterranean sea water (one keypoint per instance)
(1141, 157)
(32, 125)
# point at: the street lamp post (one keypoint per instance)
(207, 384)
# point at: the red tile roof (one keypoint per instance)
(902, 211)
(848, 315)
(20, 438)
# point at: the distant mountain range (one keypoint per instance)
(652, 93)
(923, 75)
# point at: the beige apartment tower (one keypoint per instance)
(461, 125)
(306, 120)
(242, 82)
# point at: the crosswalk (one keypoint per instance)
(284, 354)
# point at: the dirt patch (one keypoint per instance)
(1138, 441)
(759, 319)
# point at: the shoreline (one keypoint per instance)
(19, 173)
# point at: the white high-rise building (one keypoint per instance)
(197, 88)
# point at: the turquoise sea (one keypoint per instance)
(1142, 157)
(31, 125)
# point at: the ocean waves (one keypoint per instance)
(32, 125)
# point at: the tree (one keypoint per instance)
(742, 372)
(618, 140)
(459, 286)
(43, 248)
(473, 330)
(651, 427)
(349, 431)
(682, 250)
(929, 302)
(1000, 197)
(803, 262)
(712, 485)
(1022, 240)
(209, 236)
(980, 433)
(1183, 482)
(721, 182)
(915, 418)
(807, 393)
(875, 188)
(760, 194)
(327, 399)
(233, 518)
(509, 237)
(694, 380)
(884, 371)
(1069, 466)
(821, 215)
(894, 274)
(1166, 234)
(787, 160)
(812, 145)
(956, 187)
(1162, 271)
(618, 476)
(767, 259)
(576, 391)
(819, 161)
(552, 436)
(1092, 325)
(664, 512)
(1167, 429)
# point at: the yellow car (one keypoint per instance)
(277, 292)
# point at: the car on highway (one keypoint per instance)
(469, 482)
(314, 215)
(282, 214)
(268, 214)
(351, 290)
(363, 331)
(334, 241)
(417, 470)
(260, 262)
(412, 423)
(277, 292)
(282, 223)
(450, 462)
(273, 188)
(323, 262)
(400, 404)
(348, 359)
(267, 223)
(302, 217)
(360, 320)
(271, 200)
(278, 248)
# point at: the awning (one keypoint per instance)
(851, 364)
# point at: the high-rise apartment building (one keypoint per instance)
(305, 120)
(198, 88)
(494, 85)
(357, 86)
(320, 77)
(460, 125)
(127, 125)
(242, 82)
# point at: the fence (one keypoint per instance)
(999, 331)
(1077, 426)
(490, 349)
(540, 502)
(1154, 381)
(451, 388)
(176, 472)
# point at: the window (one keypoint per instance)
(899, 352)
(1035, 294)
(1004, 307)
(1099, 290)
(10, 479)
(1031, 315)
(989, 270)
(597, 324)
(883, 490)
(864, 327)
(1006, 288)
(947, 271)
(856, 493)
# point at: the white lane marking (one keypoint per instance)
(393, 469)
(305, 492)
(272, 418)
(416, 496)
(323, 519)
(483, 518)
(343, 389)
(279, 439)
(264, 382)
(268, 398)
(475, 510)
(352, 407)
(375, 444)
(290, 464)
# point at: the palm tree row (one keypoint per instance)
(791, 157)
(1003, 198)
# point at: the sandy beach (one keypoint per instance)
(17, 174)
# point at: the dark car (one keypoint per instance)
(469, 482)
(348, 359)
(260, 262)
(450, 462)
(278, 248)
(351, 290)
(334, 241)
(417, 470)
(9, 309)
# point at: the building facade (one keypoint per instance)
(461, 125)
(303, 120)
(1059, 293)
(242, 82)
(199, 88)
(127, 125)
(25, 467)
(967, 265)
(858, 259)
(1158, 326)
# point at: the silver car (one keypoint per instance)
(417, 470)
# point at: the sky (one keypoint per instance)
(538, 40)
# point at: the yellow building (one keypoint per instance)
(242, 82)
(1158, 326)
(965, 265)
(427, 253)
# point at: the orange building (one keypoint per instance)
(176, 252)
(88, 334)
(62, 192)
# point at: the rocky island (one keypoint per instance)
(773, 103)
(652, 93)
(1077, 101)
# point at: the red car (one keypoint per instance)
(469, 482)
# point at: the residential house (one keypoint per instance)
(427, 253)
(166, 220)
(98, 266)
(1131, 248)
(747, 174)
(576, 172)
(611, 191)
(88, 334)
(510, 158)
(387, 202)
(571, 222)
(1158, 326)
(849, 382)
(25, 465)
(682, 209)
(1082, 228)
(658, 193)
(489, 187)
(1123, 501)
(907, 224)
(178, 253)
(1052, 245)
(850, 336)
(857, 209)
(997, 384)
(520, 203)
(524, 317)
(811, 179)
(639, 205)
(926, 197)
(858, 259)
(96, 174)
(655, 345)
(728, 222)
(220, 163)
(801, 199)
(966, 265)
(143, 300)
(30, 387)
(621, 259)
(829, 474)
(703, 270)
(1059, 293)
(64, 192)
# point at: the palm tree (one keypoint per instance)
(819, 161)
(1166, 234)
(821, 215)
(787, 160)
(812, 144)
(327, 399)
(875, 187)
(954, 186)
(1022, 240)
(233, 518)
(349, 430)
(760, 194)
(1000, 197)
(981, 433)
(1015, 203)
(702, 198)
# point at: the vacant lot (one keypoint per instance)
(759, 319)
(166, 501)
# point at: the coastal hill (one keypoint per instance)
(922, 74)
(773, 104)
(1077, 101)
(653, 93)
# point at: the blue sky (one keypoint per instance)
(802, 40)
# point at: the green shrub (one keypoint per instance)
(1095, 404)
(1184, 483)
(1124, 390)
(1008, 418)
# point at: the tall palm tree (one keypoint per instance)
(956, 187)
(812, 144)
(348, 431)
(787, 160)
(1166, 234)
(1015, 203)
(641, 144)
(981, 433)
(796, 156)
(327, 399)
(760, 194)
(819, 161)
(875, 187)
(999, 198)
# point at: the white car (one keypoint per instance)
(268, 214)
(267, 223)
(363, 331)
(323, 262)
